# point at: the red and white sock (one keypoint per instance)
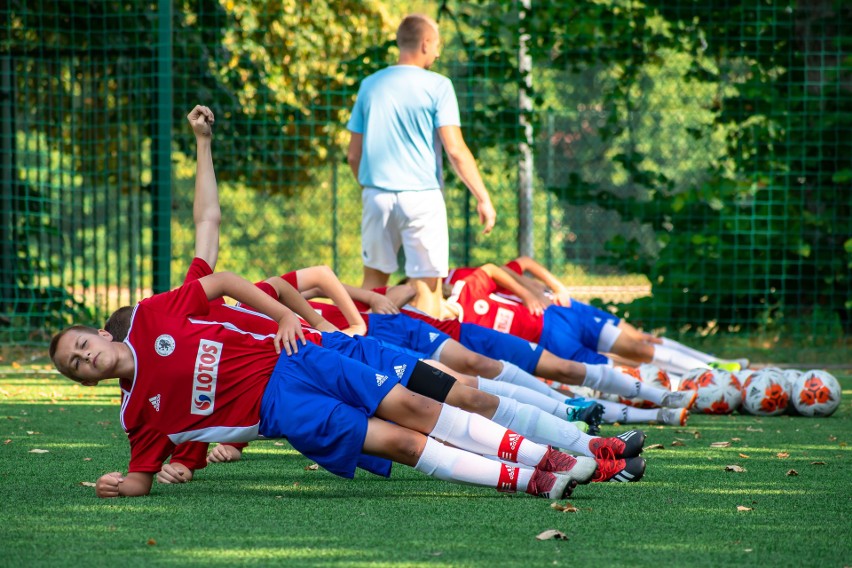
(459, 466)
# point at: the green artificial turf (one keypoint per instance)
(270, 509)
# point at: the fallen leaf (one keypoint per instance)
(735, 468)
(748, 549)
(8, 441)
(741, 508)
(832, 438)
(736, 439)
(278, 443)
(566, 508)
(87, 484)
(551, 534)
(750, 429)
(817, 463)
(744, 456)
(720, 444)
(678, 443)
(842, 444)
(37, 451)
(655, 447)
(792, 472)
(152, 542)
(782, 455)
(87, 459)
(312, 467)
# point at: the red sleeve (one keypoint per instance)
(514, 266)
(191, 454)
(267, 289)
(292, 279)
(199, 269)
(479, 284)
(187, 300)
(457, 274)
(148, 450)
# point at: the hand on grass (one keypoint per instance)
(174, 473)
(107, 485)
(224, 453)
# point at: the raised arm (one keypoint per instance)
(205, 206)
(465, 166)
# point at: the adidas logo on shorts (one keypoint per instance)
(400, 370)
(380, 379)
(433, 336)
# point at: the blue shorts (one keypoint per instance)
(320, 401)
(585, 311)
(497, 345)
(373, 353)
(405, 331)
(569, 334)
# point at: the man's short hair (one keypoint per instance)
(412, 30)
(118, 323)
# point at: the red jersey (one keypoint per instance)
(186, 368)
(477, 300)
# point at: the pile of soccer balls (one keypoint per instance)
(767, 392)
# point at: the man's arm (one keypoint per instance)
(323, 278)
(504, 280)
(559, 290)
(291, 298)
(205, 207)
(465, 166)
(353, 154)
(134, 484)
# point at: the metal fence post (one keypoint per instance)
(162, 153)
(525, 152)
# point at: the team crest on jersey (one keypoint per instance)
(480, 307)
(380, 379)
(400, 370)
(164, 345)
(204, 377)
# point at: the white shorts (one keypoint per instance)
(414, 220)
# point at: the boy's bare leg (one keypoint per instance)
(374, 278)
(427, 297)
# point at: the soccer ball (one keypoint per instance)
(790, 376)
(816, 393)
(719, 392)
(649, 374)
(764, 393)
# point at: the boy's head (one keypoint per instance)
(84, 354)
(118, 323)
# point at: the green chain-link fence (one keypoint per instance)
(690, 160)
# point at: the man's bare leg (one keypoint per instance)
(427, 296)
(374, 278)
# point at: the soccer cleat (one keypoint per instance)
(673, 416)
(679, 399)
(550, 485)
(585, 410)
(579, 469)
(624, 471)
(626, 445)
(729, 366)
(582, 426)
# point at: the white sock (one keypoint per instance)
(543, 428)
(675, 361)
(677, 346)
(617, 412)
(611, 380)
(525, 395)
(479, 435)
(513, 374)
(458, 466)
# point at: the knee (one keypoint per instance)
(473, 400)
(477, 364)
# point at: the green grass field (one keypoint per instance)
(270, 509)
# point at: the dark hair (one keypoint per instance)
(412, 30)
(118, 323)
(54, 343)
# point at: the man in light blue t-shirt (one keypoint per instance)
(404, 115)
